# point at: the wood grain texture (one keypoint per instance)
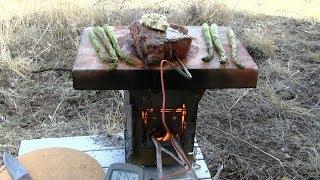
(91, 74)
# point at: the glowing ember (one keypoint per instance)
(146, 116)
(165, 138)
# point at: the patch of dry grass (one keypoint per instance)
(18, 65)
(261, 45)
(280, 116)
(284, 8)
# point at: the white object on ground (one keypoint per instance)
(105, 155)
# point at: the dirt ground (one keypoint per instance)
(269, 132)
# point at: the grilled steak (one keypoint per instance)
(152, 45)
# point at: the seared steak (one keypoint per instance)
(152, 45)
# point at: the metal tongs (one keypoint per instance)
(184, 72)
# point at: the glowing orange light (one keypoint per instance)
(182, 110)
(166, 110)
(144, 117)
(183, 122)
(166, 137)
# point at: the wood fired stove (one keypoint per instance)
(143, 120)
(143, 95)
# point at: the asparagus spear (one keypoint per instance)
(217, 42)
(115, 44)
(208, 39)
(233, 44)
(101, 51)
(98, 46)
(105, 40)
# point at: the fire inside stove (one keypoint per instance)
(143, 119)
(152, 124)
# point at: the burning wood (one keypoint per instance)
(151, 119)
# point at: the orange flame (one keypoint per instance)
(166, 137)
(182, 110)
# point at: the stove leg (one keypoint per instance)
(159, 158)
(159, 150)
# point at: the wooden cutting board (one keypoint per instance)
(58, 164)
(89, 73)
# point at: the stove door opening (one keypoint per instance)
(152, 125)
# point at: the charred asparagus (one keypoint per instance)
(115, 44)
(98, 46)
(100, 50)
(217, 42)
(208, 39)
(233, 44)
(105, 40)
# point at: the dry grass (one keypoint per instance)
(279, 117)
(259, 41)
(286, 8)
(18, 65)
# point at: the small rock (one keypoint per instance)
(296, 139)
(284, 149)
(2, 119)
(287, 156)
(272, 152)
(286, 94)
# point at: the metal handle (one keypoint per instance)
(184, 72)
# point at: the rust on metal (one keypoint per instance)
(91, 74)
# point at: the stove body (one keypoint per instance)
(143, 119)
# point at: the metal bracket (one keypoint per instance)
(159, 150)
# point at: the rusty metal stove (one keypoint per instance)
(143, 120)
(143, 96)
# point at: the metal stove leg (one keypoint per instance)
(191, 171)
(159, 150)
(159, 158)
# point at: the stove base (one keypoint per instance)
(96, 147)
(181, 115)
